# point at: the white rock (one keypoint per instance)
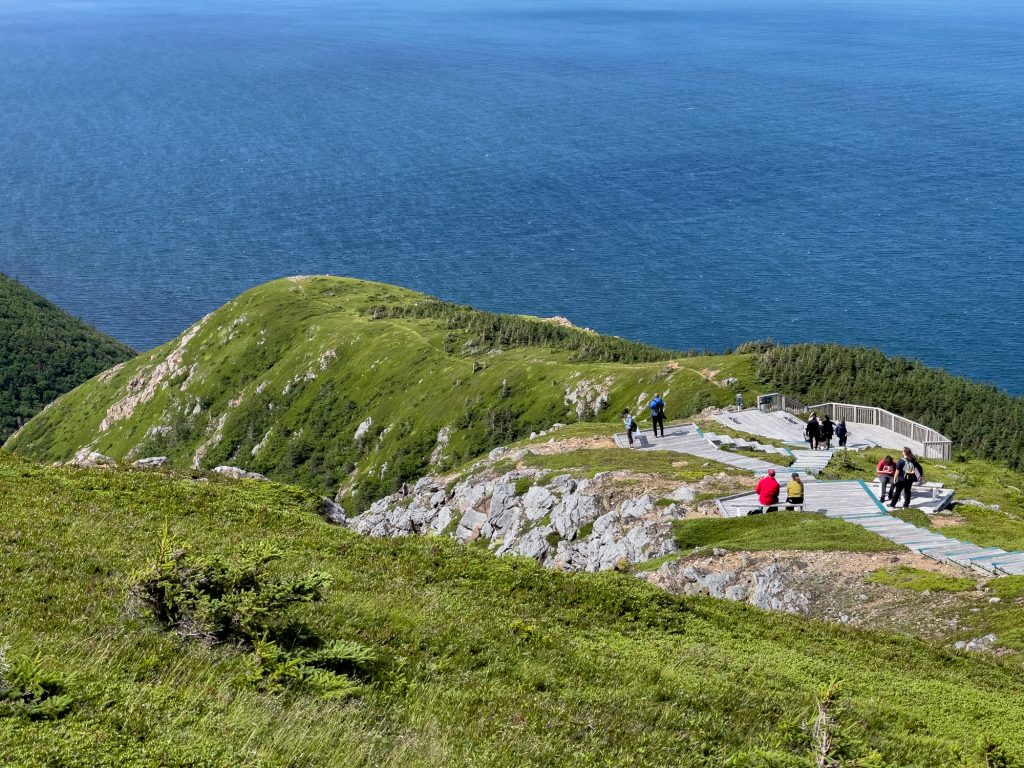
(150, 462)
(91, 460)
(363, 428)
(237, 473)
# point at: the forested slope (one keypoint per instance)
(44, 352)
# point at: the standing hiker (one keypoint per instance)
(658, 414)
(908, 472)
(886, 472)
(842, 433)
(767, 490)
(631, 426)
(813, 431)
(827, 430)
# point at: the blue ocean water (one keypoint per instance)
(693, 173)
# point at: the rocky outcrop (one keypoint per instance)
(91, 460)
(150, 462)
(764, 587)
(566, 523)
(237, 473)
(332, 511)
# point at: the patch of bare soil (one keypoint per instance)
(941, 521)
(571, 444)
(708, 374)
(837, 590)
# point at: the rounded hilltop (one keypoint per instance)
(353, 388)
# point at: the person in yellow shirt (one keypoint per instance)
(794, 492)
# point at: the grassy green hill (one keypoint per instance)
(44, 352)
(480, 661)
(337, 383)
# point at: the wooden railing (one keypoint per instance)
(935, 445)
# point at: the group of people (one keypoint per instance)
(820, 433)
(657, 408)
(768, 488)
(898, 477)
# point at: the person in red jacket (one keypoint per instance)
(767, 490)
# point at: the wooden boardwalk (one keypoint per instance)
(854, 502)
(779, 425)
(687, 438)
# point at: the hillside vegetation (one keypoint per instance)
(352, 388)
(977, 417)
(44, 352)
(477, 660)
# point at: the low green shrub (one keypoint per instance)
(28, 690)
(214, 600)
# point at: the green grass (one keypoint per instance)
(485, 661)
(779, 530)
(1008, 587)
(278, 380)
(590, 461)
(920, 580)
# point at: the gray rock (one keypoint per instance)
(534, 544)
(151, 462)
(994, 600)
(332, 511)
(91, 460)
(538, 502)
(470, 525)
(637, 507)
(237, 473)
(977, 645)
(683, 494)
(737, 592)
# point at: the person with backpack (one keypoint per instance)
(813, 431)
(908, 472)
(658, 414)
(842, 432)
(631, 426)
(827, 430)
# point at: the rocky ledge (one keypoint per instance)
(575, 524)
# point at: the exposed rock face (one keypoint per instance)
(142, 388)
(363, 428)
(150, 462)
(237, 473)
(332, 511)
(763, 587)
(91, 460)
(588, 397)
(565, 524)
(443, 436)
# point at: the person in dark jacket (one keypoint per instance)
(827, 430)
(842, 432)
(908, 472)
(813, 431)
(657, 407)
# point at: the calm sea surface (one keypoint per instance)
(691, 173)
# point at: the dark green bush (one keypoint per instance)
(216, 601)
